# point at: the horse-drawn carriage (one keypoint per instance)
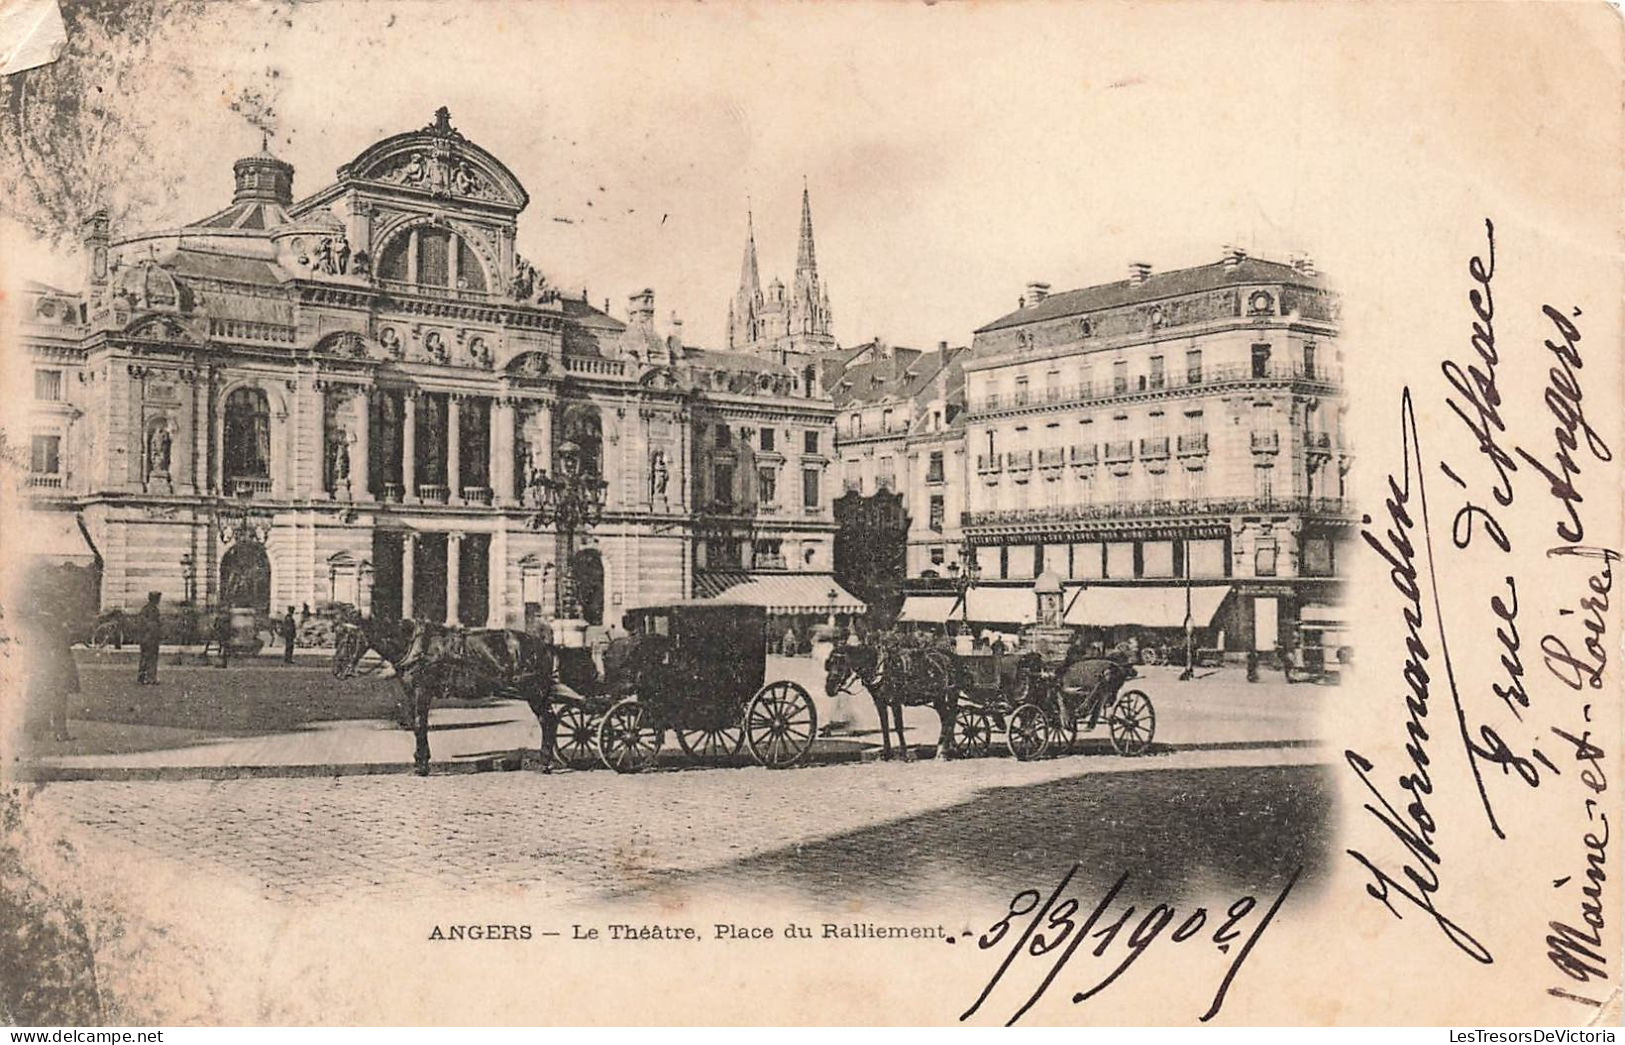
(696, 669)
(1043, 708)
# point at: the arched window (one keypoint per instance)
(248, 435)
(431, 257)
(583, 427)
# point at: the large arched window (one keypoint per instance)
(431, 257)
(248, 435)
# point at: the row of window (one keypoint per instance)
(767, 486)
(1157, 375)
(767, 439)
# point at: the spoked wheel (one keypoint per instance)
(711, 745)
(1028, 735)
(1063, 731)
(626, 743)
(780, 723)
(577, 741)
(1133, 722)
(1151, 655)
(973, 733)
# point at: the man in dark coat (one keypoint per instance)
(290, 629)
(150, 627)
(222, 637)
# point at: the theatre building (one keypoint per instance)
(1167, 441)
(366, 396)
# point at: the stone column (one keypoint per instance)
(500, 444)
(496, 585)
(408, 574)
(409, 444)
(544, 436)
(361, 467)
(454, 575)
(454, 446)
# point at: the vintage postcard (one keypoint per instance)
(971, 514)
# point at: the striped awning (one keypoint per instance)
(929, 609)
(1149, 606)
(777, 592)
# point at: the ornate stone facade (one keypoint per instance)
(351, 398)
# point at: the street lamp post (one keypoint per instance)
(571, 501)
(965, 573)
(189, 576)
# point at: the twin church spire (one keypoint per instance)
(781, 321)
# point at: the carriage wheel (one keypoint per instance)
(1028, 735)
(711, 745)
(973, 734)
(1133, 722)
(1063, 730)
(780, 723)
(577, 742)
(1151, 655)
(626, 743)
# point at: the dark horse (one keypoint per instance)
(897, 676)
(433, 660)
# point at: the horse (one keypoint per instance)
(442, 661)
(389, 638)
(897, 676)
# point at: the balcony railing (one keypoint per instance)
(1020, 460)
(988, 464)
(1318, 440)
(1052, 457)
(1154, 448)
(476, 495)
(1157, 509)
(45, 480)
(248, 486)
(1119, 451)
(434, 493)
(1085, 456)
(1192, 444)
(1266, 442)
(886, 482)
(1203, 376)
(394, 492)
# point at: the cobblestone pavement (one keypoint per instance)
(572, 837)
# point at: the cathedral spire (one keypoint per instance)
(806, 260)
(744, 318)
(749, 281)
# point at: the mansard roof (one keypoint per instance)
(1156, 286)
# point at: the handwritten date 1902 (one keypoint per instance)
(1056, 926)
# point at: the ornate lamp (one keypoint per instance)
(571, 501)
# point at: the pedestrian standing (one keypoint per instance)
(151, 627)
(290, 629)
(222, 636)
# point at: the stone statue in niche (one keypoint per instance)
(158, 451)
(338, 458)
(480, 353)
(324, 261)
(523, 285)
(341, 253)
(658, 475)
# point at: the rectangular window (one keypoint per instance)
(939, 555)
(1021, 391)
(1119, 559)
(938, 513)
(723, 436)
(887, 478)
(809, 487)
(45, 457)
(1156, 372)
(1309, 360)
(767, 485)
(1193, 366)
(48, 385)
(1317, 557)
(809, 442)
(1119, 377)
(769, 438)
(933, 470)
(1261, 361)
(722, 484)
(885, 420)
(1264, 561)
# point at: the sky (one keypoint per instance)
(953, 152)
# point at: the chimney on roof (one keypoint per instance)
(1305, 264)
(1138, 272)
(640, 309)
(1036, 292)
(1234, 255)
(96, 237)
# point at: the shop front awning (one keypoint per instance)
(1148, 606)
(1324, 616)
(929, 609)
(986, 605)
(777, 592)
(51, 538)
